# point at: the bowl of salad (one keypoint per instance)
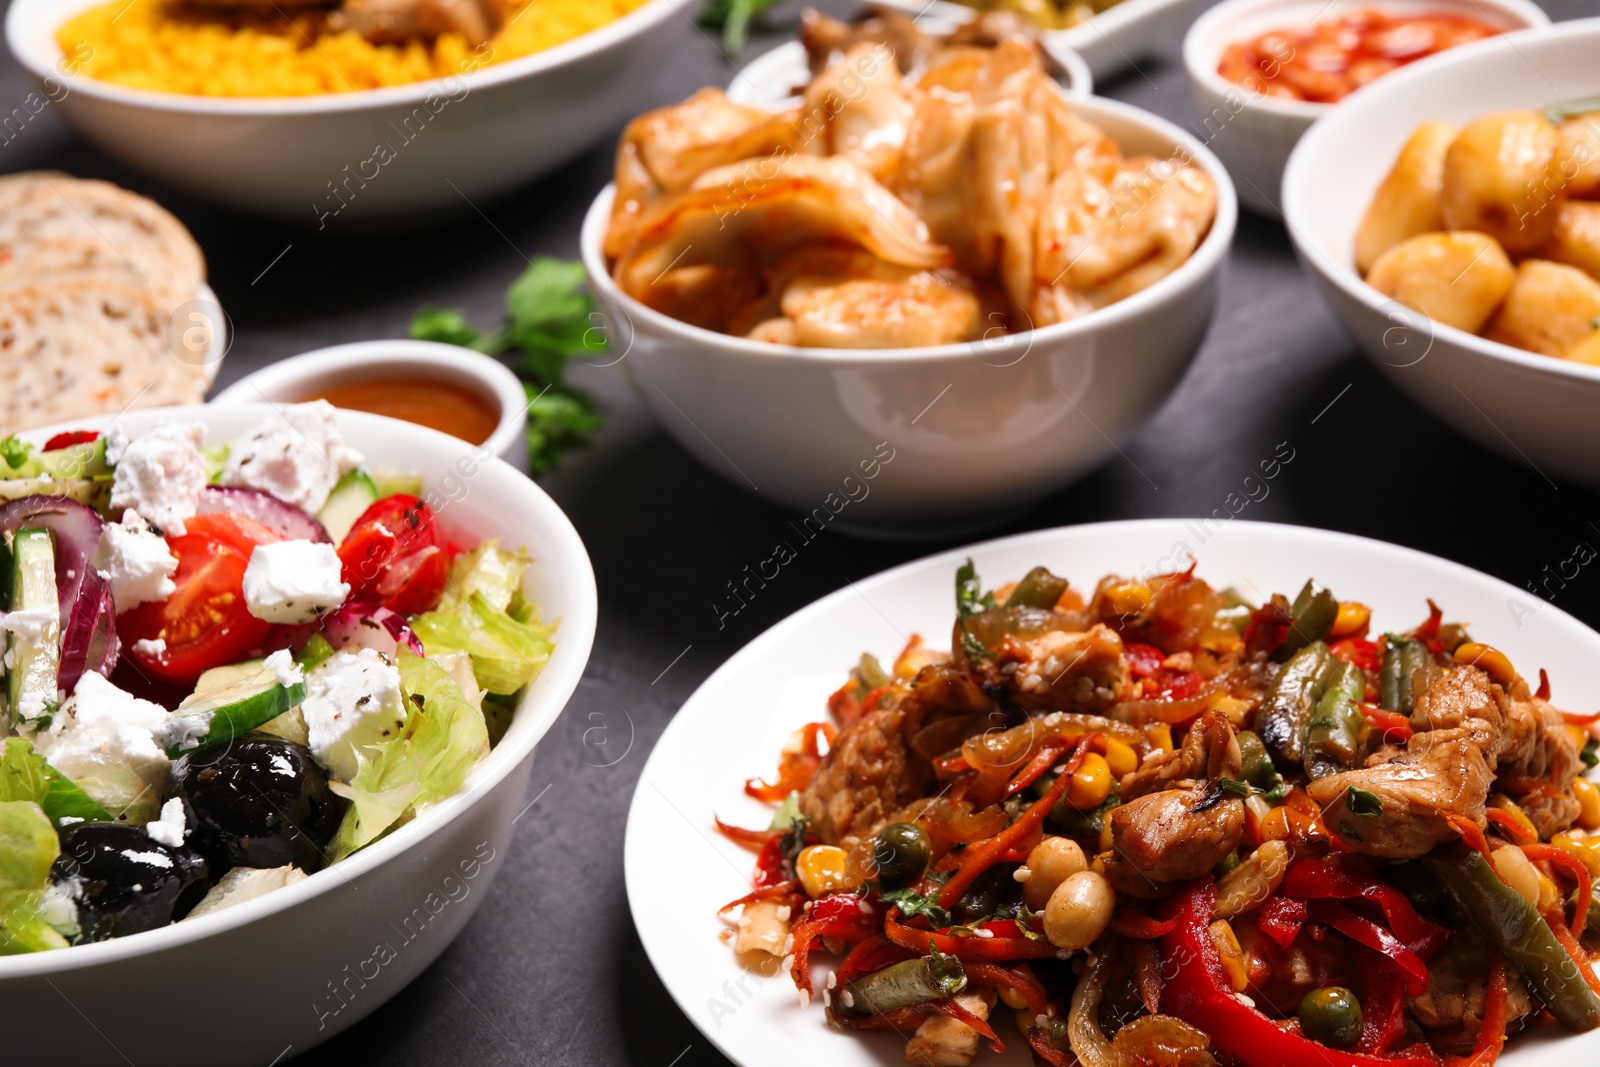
(274, 676)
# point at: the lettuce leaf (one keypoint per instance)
(24, 775)
(28, 848)
(443, 739)
(485, 615)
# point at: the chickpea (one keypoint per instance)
(1518, 872)
(1052, 861)
(1079, 911)
(1501, 178)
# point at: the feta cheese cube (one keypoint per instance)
(161, 474)
(293, 581)
(101, 740)
(136, 561)
(297, 456)
(171, 826)
(152, 647)
(352, 703)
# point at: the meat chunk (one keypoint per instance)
(874, 769)
(1210, 751)
(1458, 985)
(945, 1042)
(1170, 836)
(1067, 671)
(399, 21)
(1540, 778)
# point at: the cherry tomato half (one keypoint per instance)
(392, 553)
(70, 438)
(205, 622)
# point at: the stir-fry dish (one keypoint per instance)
(1159, 825)
(1494, 228)
(227, 667)
(1046, 14)
(1333, 57)
(915, 196)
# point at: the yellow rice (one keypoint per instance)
(143, 49)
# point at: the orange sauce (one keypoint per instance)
(425, 401)
(1331, 59)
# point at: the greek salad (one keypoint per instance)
(226, 667)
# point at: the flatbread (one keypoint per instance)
(86, 346)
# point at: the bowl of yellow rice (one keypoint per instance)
(328, 127)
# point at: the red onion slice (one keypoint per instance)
(284, 519)
(88, 632)
(364, 623)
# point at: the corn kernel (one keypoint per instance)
(1160, 735)
(1010, 997)
(822, 870)
(1492, 661)
(1231, 955)
(1091, 782)
(1129, 598)
(1549, 896)
(1232, 708)
(1352, 619)
(1588, 803)
(1121, 757)
(1582, 847)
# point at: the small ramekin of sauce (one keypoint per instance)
(1263, 71)
(454, 390)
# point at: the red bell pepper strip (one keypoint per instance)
(1383, 1006)
(70, 438)
(1142, 660)
(1280, 918)
(1198, 992)
(1312, 879)
(849, 917)
(1575, 870)
(1018, 979)
(1360, 651)
(1471, 833)
(962, 1015)
(978, 857)
(1172, 683)
(1366, 932)
(771, 867)
(777, 891)
(1130, 922)
(1428, 632)
(1044, 1050)
(796, 769)
(871, 955)
(1492, 1033)
(752, 839)
(1393, 726)
(967, 948)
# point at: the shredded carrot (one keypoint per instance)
(795, 769)
(1471, 833)
(1048, 753)
(1580, 958)
(1018, 979)
(1574, 719)
(1544, 685)
(981, 855)
(1492, 1034)
(751, 839)
(1574, 868)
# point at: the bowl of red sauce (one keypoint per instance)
(1263, 71)
(465, 394)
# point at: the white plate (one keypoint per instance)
(679, 870)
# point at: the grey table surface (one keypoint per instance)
(550, 970)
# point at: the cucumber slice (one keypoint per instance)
(227, 703)
(390, 481)
(216, 458)
(33, 650)
(95, 492)
(354, 493)
(87, 460)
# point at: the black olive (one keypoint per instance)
(125, 882)
(900, 854)
(990, 891)
(258, 801)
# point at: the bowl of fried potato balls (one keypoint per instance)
(1450, 214)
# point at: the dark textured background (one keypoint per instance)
(550, 971)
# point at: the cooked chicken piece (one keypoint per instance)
(665, 150)
(859, 108)
(1468, 728)
(399, 21)
(1210, 751)
(723, 219)
(826, 38)
(1171, 836)
(1457, 986)
(1060, 670)
(763, 927)
(874, 769)
(945, 1042)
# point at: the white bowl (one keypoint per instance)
(1110, 42)
(283, 972)
(679, 870)
(316, 159)
(771, 79)
(1025, 413)
(1528, 407)
(294, 379)
(1254, 134)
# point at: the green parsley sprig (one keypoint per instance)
(733, 18)
(550, 318)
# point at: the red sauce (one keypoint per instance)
(425, 401)
(1331, 59)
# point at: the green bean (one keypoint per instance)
(1512, 925)
(1334, 735)
(1404, 657)
(1038, 589)
(901, 985)
(1287, 706)
(1311, 617)
(1254, 763)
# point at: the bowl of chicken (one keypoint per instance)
(371, 154)
(916, 300)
